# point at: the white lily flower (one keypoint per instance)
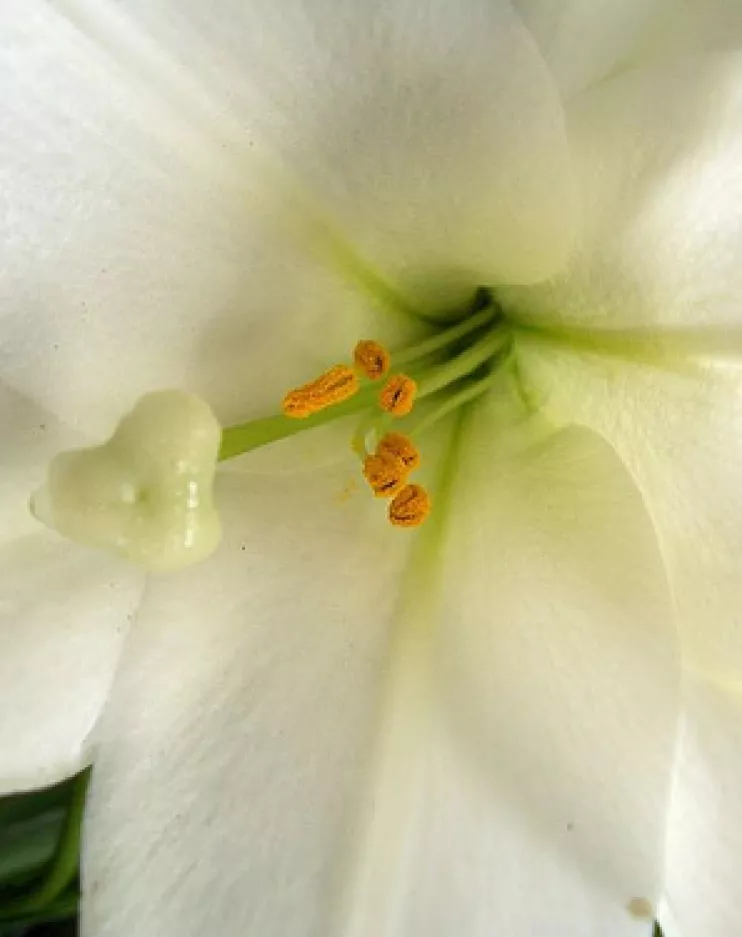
(329, 726)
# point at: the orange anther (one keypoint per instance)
(385, 473)
(334, 386)
(398, 395)
(401, 446)
(410, 507)
(372, 359)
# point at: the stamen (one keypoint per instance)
(385, 473)
(410, 507)
(334, 386)
(398, 395)
(402, 447)
(372, 359)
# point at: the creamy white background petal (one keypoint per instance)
(238, 726)
(220, 743)
(583, 41)
(403, 119)
(655, 150)
(705, 830)
(678, 432)
(657, 153)
(64, 614)
(135, 247)
(559, 661)
(31, 437)
(693, 25)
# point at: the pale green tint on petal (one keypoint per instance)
(237, 733)
(524, 745)
(143, 247)
(693, 26)
(704, 844)
(658, 155)
(678, 432)
(403, 119)
(585, 40)
(557, 674)
(64, 614)
(147, 492)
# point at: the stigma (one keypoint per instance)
(145, 494)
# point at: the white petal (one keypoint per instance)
(657, 153)
(679, 433)
(64, 614)
(704, 844)
(482, 867)
(237, 730)
(404, 119)
(585, 40)
(558, 657)
(234, 759)
(31, 437)
(137, 248)
(691, 26)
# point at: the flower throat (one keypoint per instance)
(399, 395)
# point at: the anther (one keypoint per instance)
(385, 473)
(398, 395)
(410, 507)
(401, 446)
(334, 386)
(372, 359)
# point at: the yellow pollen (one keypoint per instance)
(334, 386)
(398, 395)
(401, 446)
(385, 473)
(410, 507)
(372, 359)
